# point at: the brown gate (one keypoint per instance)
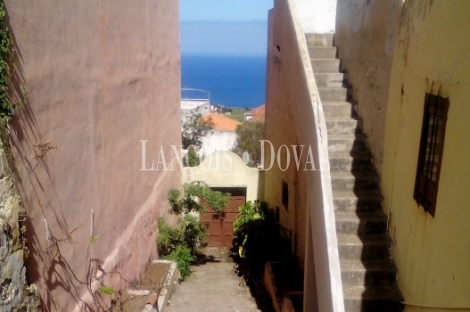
(220, 225)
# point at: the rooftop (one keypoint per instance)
(256, 114)
(193, 103)
(222, 122)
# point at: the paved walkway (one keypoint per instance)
(213, 287)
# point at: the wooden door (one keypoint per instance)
(220, 225)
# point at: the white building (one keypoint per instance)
(223, 137)
(194, 106)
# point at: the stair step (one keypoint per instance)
(362, 181)
(365, 248)
(358, 273)
(322, 51)
(341, 126)
(373, 299)
(367, 271)
(348, 143)
(350, 162)
(336, 109)
(329, 79)
(362, 223)
(357, 201)
(333, 93)
(325, 65)
(319, 39)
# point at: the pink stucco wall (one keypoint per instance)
(100, 77)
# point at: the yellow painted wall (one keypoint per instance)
(281, 129)
(227, 169)
(432, 253)
(365, 36)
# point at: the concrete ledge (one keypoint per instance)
(271, 287)
(285, 297)
(287, 305)
(156, 300)
(168, 288)
(293, 302)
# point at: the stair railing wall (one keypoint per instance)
(289, 64)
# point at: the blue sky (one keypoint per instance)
(224, 27)
(224, 10)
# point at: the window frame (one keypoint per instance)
(431, 146)
(285, 195)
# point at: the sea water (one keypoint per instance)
(232, 81)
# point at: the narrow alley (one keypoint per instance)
(213, 287)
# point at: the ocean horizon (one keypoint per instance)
(232, 81)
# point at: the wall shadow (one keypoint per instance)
(45, 264)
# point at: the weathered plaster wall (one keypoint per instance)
(365, 36)
(294, 116)
(100, 77)
(227, 169)
(431, 253)
(317, 16)
(293, 217)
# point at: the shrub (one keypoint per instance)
(257, 235)
(181, 243)
(168, 238)
(247, 226)
(183, 201)
(191, 159)
(249, 135)
(183, 257)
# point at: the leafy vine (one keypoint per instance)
(8, 67)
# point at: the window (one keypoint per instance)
(430, 151)
(285, 195)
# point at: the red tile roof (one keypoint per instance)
(258, 113)
(223, 123)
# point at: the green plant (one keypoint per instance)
(5, 73)
(191, 159)
(94, 238)
(257, 235)
(184, 201)
(188, 232)
(257, 238)
(249, 135)
(194, 129)
(105, 290)
(168, 237)
(181, 243)
(7, 68)
(183, 257)
(194, 233)
(246, 226)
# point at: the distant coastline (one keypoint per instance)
(233, 81)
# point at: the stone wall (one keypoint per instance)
(15, 293)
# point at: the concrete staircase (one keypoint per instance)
(368, 272)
